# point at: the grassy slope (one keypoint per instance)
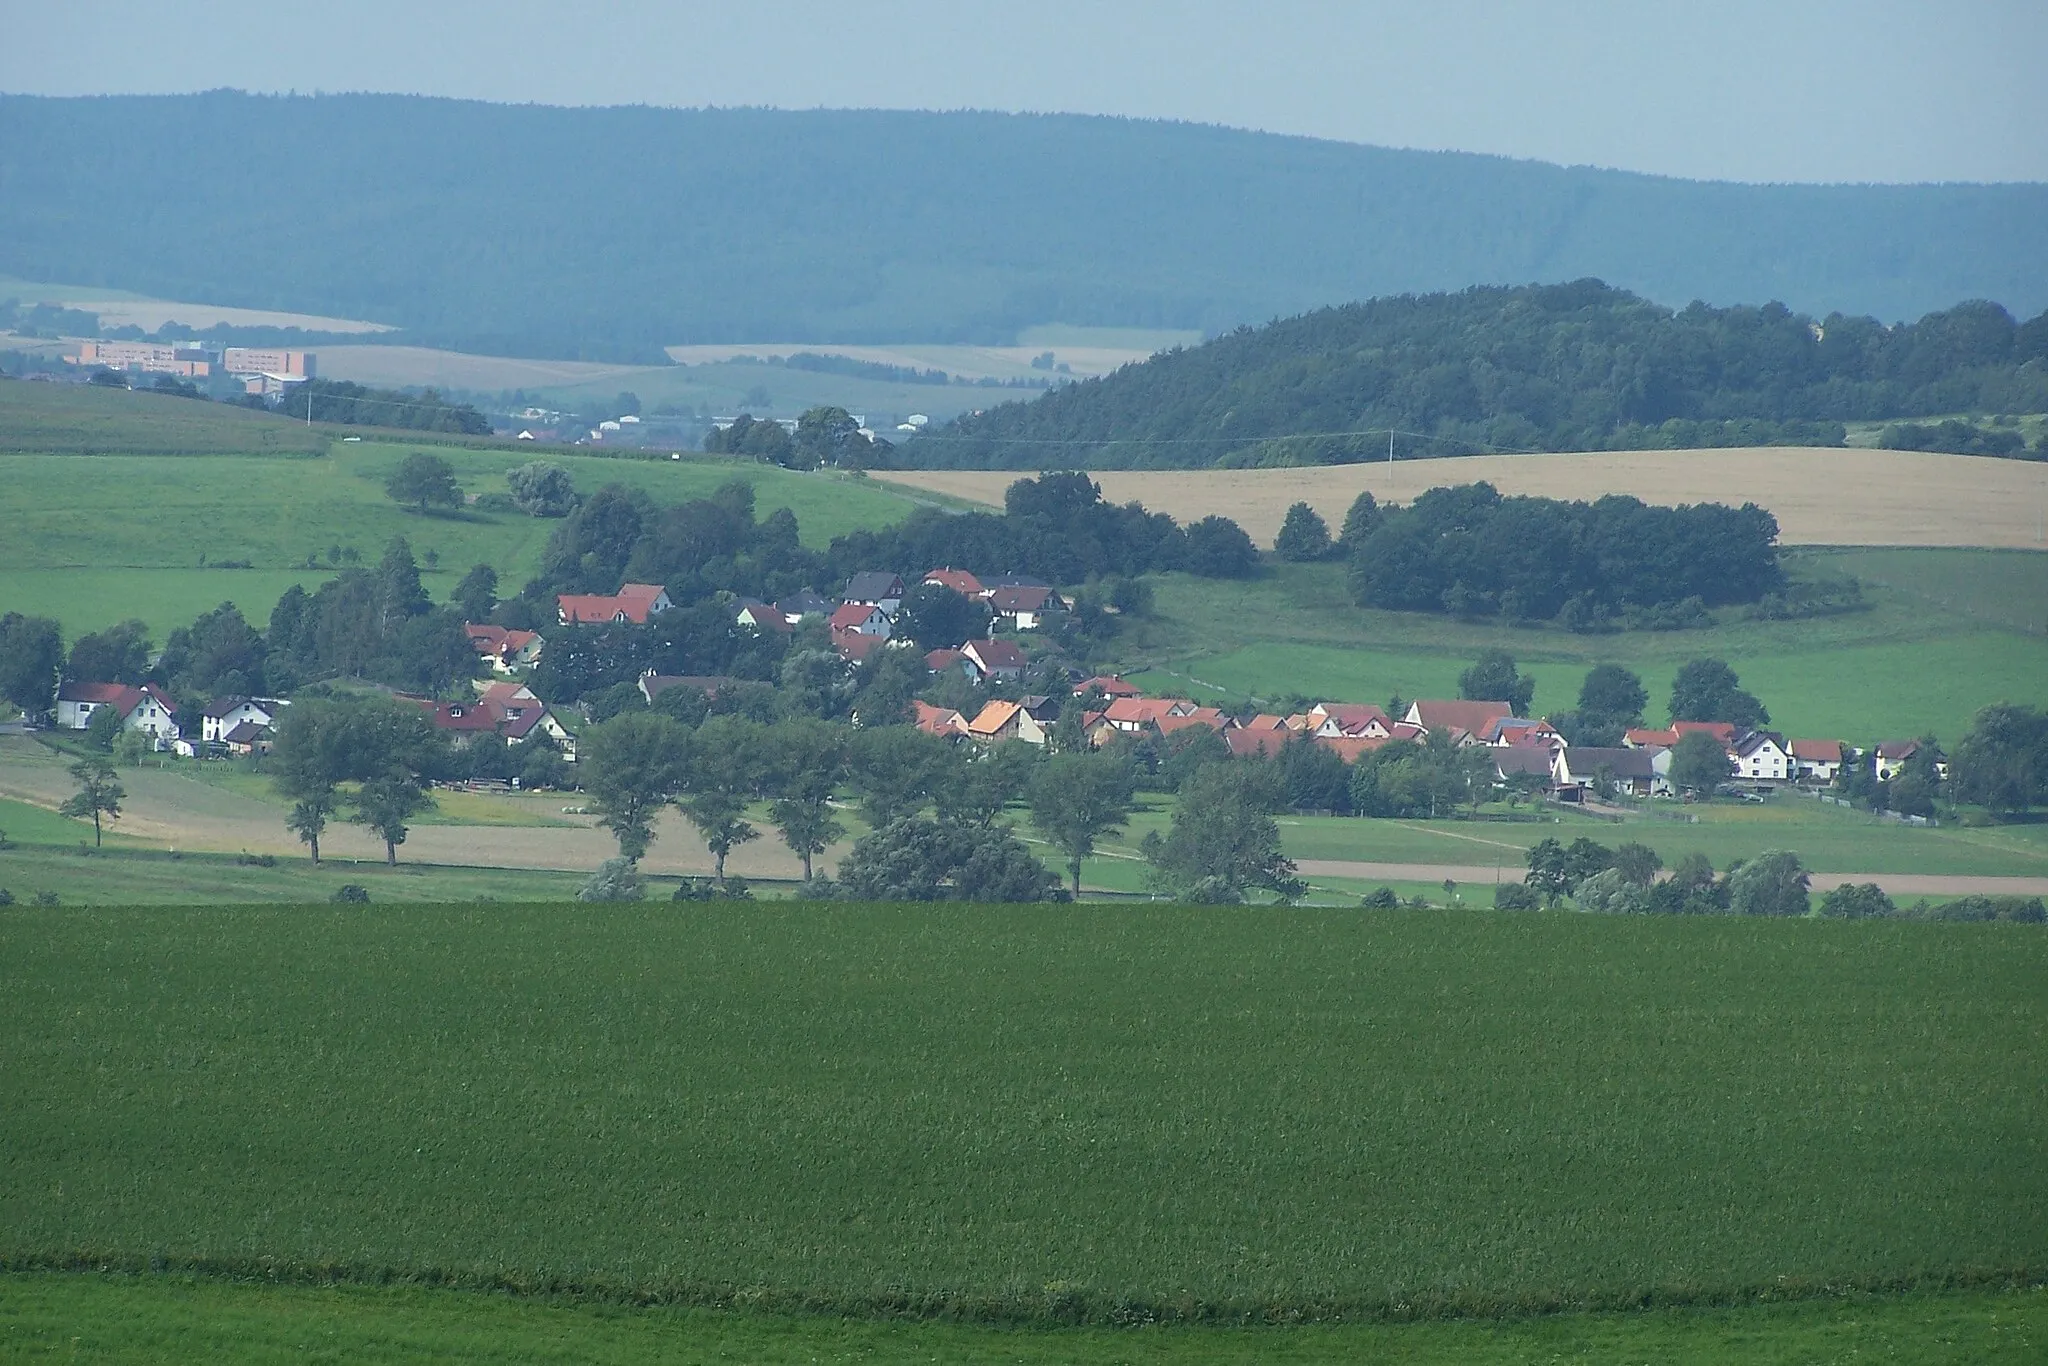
(1237, 1108)
(1950, 631)
(96, 540)
(121, 1319)
(89, 419)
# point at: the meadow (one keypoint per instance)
(1077, 1114)
(1947, 632)
(122, 1319)
(97, 540)
(90, 420)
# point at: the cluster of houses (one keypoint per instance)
(862, 621)
(1519, 748)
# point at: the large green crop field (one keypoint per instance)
(1044, 1113)
(126, 1319)
(1948, 632)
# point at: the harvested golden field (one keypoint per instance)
(1821, 496)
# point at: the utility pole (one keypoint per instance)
(1390, 445)
(309, 403)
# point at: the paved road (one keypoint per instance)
(1895, 884)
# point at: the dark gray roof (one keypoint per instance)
(1513, 759)
(873, 585)
(1585, 761)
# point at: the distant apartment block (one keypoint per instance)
(195, 359)
(155, 358)
(258, 360)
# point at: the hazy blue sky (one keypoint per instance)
(1745, 90)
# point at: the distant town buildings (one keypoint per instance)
(261, 369)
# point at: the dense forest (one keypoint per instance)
(1469, 551)
(1581, 366)
(608, 233)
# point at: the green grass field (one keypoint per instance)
(122, 875)
(89, 419)
(1042, 1113)
(1949, 631)
(122, 1319)
(97, 540)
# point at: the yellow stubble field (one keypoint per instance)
(1820, 495)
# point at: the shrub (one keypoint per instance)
(1857, 901)
(1773, 883)
(47, 899)
(616, 879)
(6, 897)
(1515, 896)
(1611, 893)
(1381, 899)
(2027, 909)
(351, 894)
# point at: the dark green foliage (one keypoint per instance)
(102, 729)
(764, 440)
(1218, 548)
(1708, 690)
(1469, 551)
(385, 805)
(1360, 521)
(1493, 678)
(99, 792)
(388, 748)
(1638, 863)
(1574, 366)
(351, 894)
(119, 654)
(935, 616)
(31, 657)
(541, 488)
(354, 405)
(1076, 799)
(1304, 536)
(476, 593)
(425, 481)
(1956, 438)
(914, 859)
(1699, 764)
(2003, 762)
(369, 623)
(1912, 790)
(631, 765)
(1223, 841)
(220, 654)
(1510, 896)
(1312, 777)
(1857, 901)
(1772, 883)
(1611, 700)
(2024, 909)
(1404, 779)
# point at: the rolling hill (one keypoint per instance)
(607, 234)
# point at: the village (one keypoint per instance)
(1522, 756)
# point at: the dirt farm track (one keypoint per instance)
(1821, 496)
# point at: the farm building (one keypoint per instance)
(148, 708)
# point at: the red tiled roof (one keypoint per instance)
(1818, 751)
(1349, 747)
(1641, 735)
(1724, 731)
(959, 580)
(1010, 601)
(1139, 710)
(1169, 724)
(1109, 685)
(851, 615)
(853, 647)
(938, 660)
(1244, 742)
(993, 717)
(940, 721)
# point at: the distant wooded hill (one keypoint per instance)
(1580, 366)
(607, 233)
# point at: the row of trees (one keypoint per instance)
(1470, 552)
(1579, 366)
(936, 813)
(826, 437)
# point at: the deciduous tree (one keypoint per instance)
(99, 793)
(1075, 800)
(425, 481)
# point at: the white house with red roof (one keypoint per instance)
(148, 708)
(861, 619)
(1109, 685)
(1761, 756)
(1817, 761)
(998, 660)
(1024, 607)
(503, 649)
(634, 602)
(1347, 720)
(224, 715)
(1465, 722)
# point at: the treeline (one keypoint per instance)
(1956, 437)
(1470, 552)
(824, 436)
(1581, 366)
(330, 400)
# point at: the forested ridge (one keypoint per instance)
(609, 233)
(1580, 366)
